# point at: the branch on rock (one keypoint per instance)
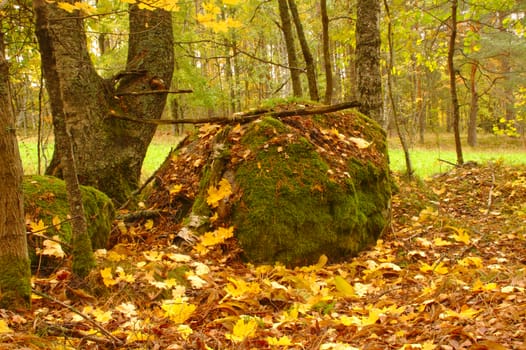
(244, 116)
(154, 92)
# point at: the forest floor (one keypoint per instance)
(449, 274)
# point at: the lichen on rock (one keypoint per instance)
(301, 186)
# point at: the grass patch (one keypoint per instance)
(424, 157)
(426, 161)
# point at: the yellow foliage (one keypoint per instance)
(440, 268)
(243, 329)
(4, 328)
(344, 287)
(217, 237)
(460, 235)
(282, 341)
(177, 310)
(216, 194)
(239, 288)
(107, 277)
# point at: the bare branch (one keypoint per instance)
(243, 117)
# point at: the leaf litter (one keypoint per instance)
(450, 274)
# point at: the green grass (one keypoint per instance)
(426, 162)
(423, 157)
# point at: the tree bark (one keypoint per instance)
(368, 59)
(310, 65)
(326, 52)
(286, 27)
(474, 107)
(455, 108)
(108, 153)
(15, 273)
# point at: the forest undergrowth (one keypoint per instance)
(449, 274)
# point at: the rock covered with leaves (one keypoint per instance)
(289, 189)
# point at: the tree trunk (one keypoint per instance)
(286, 27)
(326, 52)
(455, 108)
(15, 273)
(310, 65)
(368, 59)
(109, 153)
(390, 64)
(474, 107)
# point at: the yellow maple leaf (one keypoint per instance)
(148, 224)
(38, 226)
(282, 341)
(244, 328)
(177, 310)
(471, 260)
(138, 336)
(184, 330)
(175, 189)
(107, 277)
(4, 328)
(343, 287)
(238, 287)
(56, 222)
(217, 237)
(460, 235)
(439, 242)
(122, 276)
(465, 313)
(101, 315)
(223, 190)
(440, 268)
(67, 7)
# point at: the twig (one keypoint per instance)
(84, 316)
(153, 92)
(448, 162)
(242, 117)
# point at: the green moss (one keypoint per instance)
(15, 283)
(292, 211)
(45, 198)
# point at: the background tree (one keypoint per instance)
(109, 153)
(286, 27)
(15, 274)
(368, 59)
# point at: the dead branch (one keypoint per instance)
(244, 116)
(153, 92)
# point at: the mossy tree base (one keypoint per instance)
(302, 186)
(15, 281)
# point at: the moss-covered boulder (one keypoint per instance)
(45, 200)
(300, 186)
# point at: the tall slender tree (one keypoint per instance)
(455, 107)
(15, 274)
(310, 65)
(326, 52)
(286, 27)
